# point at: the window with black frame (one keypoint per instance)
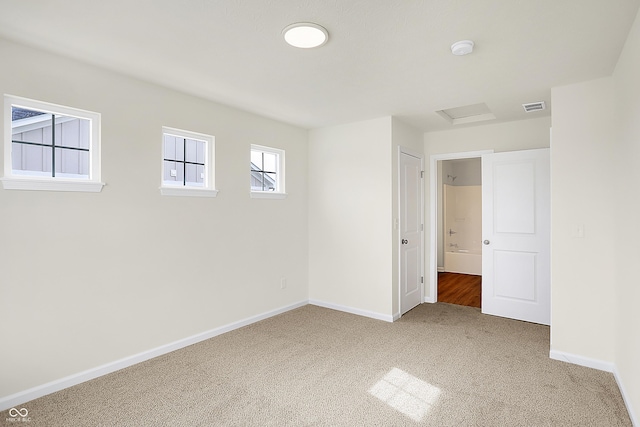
(264, 170)
(184, 161)
(47, 144)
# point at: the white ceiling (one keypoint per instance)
(384, 57)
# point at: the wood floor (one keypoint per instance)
(461, 289)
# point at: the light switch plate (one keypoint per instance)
(577, 231)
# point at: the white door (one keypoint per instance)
(410, 232)
(516, 225)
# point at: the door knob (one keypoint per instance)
(486, 242)
(405, 241)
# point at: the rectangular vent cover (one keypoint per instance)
(534, 106)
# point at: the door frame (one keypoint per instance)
(434, 182)
(419, 155)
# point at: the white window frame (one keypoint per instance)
(209, 188)
(15, 181)
(280, 175)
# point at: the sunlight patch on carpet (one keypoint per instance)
(406, 393)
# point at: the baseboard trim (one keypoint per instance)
(602, 366)
(75, 379)
(582, 361)
(352, 310)
(627, 402)
(430, 300)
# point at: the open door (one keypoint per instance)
(516, 225)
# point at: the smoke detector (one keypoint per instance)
(463, 47)
(534, 106)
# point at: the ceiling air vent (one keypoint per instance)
(534, 106)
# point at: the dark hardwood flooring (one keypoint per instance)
(461, 289)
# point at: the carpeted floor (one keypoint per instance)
(440, 365)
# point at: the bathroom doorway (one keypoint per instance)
(460, 232)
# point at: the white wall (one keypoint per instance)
(353, 205)
(91, 278)
(595, 155)
(511, 136)
(583, 269)
(350, 216)
(626, 175)
(595, 151)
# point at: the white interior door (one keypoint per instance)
(516, 225)
(410, 232)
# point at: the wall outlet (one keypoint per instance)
(283, 283)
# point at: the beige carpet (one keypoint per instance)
(440, 365)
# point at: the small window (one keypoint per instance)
(267, 172)
(187, 164)
(50, 147)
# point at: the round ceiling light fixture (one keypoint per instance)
(305, 35)
(463, 47)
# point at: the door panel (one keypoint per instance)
(411, 267)
(516, 222)
(515, 274)
(514, 197)
(410, 232)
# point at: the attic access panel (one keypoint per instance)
(467, 114)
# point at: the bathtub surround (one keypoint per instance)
(463, 229)
(462, 172)
(463, 261)
(454, 174)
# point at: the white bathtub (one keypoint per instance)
(463, 261)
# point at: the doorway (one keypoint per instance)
(460, 232)
(515, 232)
(461, 283)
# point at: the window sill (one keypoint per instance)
(267, 195)
(10, 183)
(188, 192)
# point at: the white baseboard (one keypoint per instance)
(634, 420)
(582, 361)
(602, 366)
(352, 310)
(430, 300)
(62, 383)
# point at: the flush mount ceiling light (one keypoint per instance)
(463, 47)
(305, 35)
